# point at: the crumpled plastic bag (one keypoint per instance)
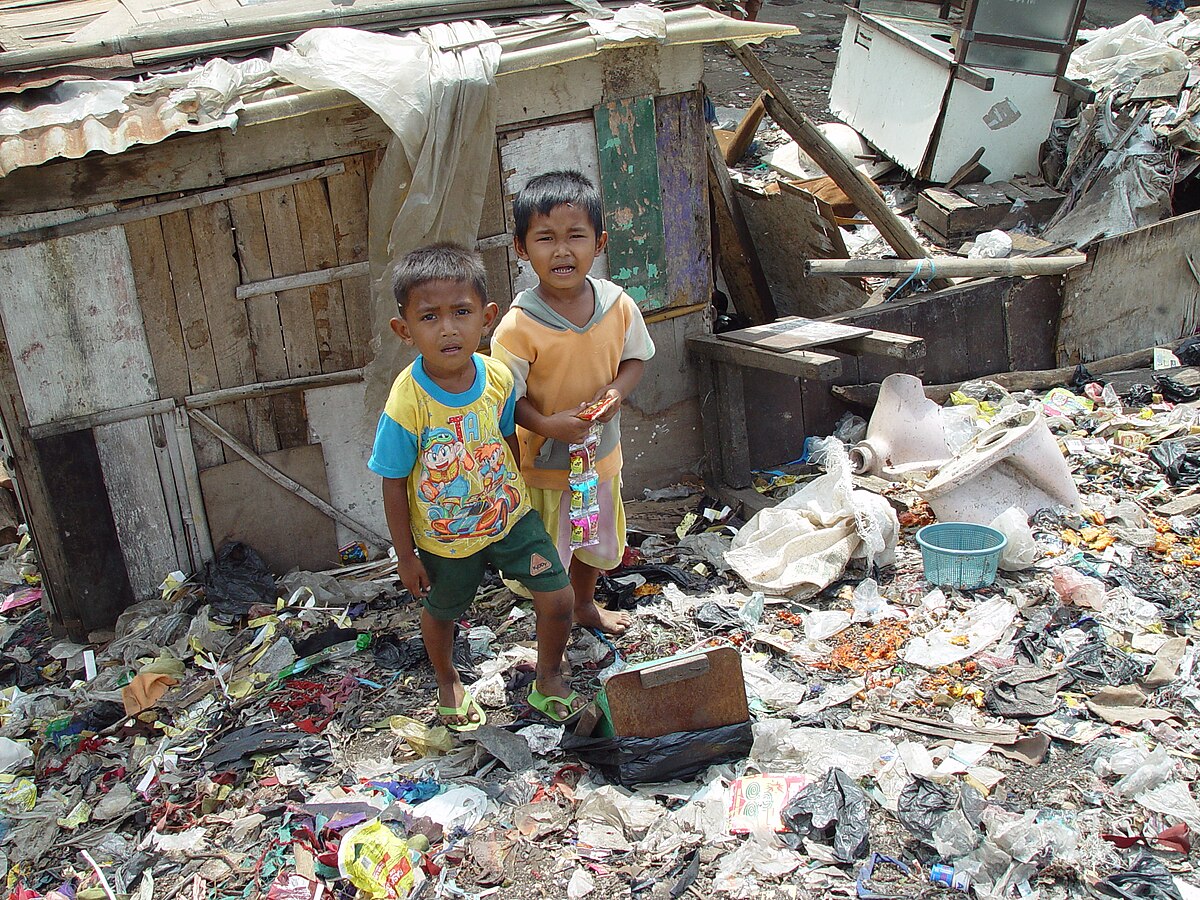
(1179, 459)
(461, 807)
(979, 626)
(803, 545)
(834, 811)
(737, 871)
(1147, 879)
(1021, 551)
(994, 244)
(1098, 662)
(1126, 52)
(376, 861)
(941, 816)
(1074, 587)
(237, 579)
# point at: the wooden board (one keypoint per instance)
(228, 327)
(139, 504)
(685, 693)
(1160, 87)
(524, 154)
(626, 138)
(687, 242)
(949, 217)
(788, 229)
(794, 333)
(1137, 290)
(295, 307)
(73, 325)
(193, 318)
(262, 314)
(348, 207)
(156, 299)
(320, 252)
(243, 505)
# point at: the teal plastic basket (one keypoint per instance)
(960, 555)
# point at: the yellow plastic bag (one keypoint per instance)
(425, 741)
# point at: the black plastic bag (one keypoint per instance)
(1175, 390)
(1188, 352)
(923, 804)
(237, 579)
(1138, 395)
(1179, 458)
(1024, 693)
(833, 811)
(631, 761)
(1148, 879)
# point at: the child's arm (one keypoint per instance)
(563, 426)
(408, 565)
(629, 373)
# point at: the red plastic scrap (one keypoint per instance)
(1174, 839)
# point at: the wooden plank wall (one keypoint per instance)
(188, 266)
(1137, 289)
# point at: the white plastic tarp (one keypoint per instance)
(436, 90)
(1124, 53)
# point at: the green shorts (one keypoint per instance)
(526, 554)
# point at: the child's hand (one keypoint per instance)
(612, 394)
(566, 426)
(412, 574)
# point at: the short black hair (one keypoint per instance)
(543, 193)
(438, 262)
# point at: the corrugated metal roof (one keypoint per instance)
(67, 122)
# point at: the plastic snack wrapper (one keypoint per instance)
(585, 488)
(378, 862)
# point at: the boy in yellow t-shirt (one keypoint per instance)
(446, 449)
(570, 342)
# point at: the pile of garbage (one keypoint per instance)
(243, 735)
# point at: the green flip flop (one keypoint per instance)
(463, 710)
(546, 705)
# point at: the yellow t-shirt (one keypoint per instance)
(558, 365)
(464, 491)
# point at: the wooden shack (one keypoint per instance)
(186, 319)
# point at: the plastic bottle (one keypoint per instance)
(329, 654)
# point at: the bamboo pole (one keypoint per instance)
(262, 22)
(285, 482)
(945, 266)
(857, 186)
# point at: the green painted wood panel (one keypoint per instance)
(626, 138)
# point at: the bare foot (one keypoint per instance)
(451, 697)
(606, 620)
(556, 686)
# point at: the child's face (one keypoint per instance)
(445, 320)
(561, 247)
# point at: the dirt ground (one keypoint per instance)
(803, 63)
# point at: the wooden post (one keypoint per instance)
(285, 482)
(739, 260)
(857, 186)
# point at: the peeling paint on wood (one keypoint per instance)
(626, 137)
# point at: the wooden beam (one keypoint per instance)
(285, 482)
(947, 266)
(883, 343)
(797, 363)
(270, 388)
(105, 417)
(1032, 380)
(301, 279)
(857, 186)
(163, 207)
(738, 257)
